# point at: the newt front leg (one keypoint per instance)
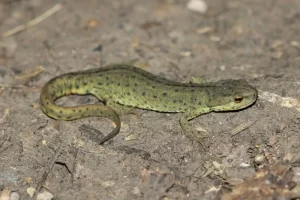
(186, 127)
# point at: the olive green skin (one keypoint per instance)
(123, 87)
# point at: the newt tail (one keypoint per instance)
(69, 84)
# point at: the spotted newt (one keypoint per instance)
(123, 87)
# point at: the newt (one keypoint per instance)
(124, 87)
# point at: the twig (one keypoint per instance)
(242, 127)
(33, 22)
(1, 90)
(26, 76)
(46, 172)
(12, 86)
(6, 113)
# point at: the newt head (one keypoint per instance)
(230, 95)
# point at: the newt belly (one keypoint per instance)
(123, 87)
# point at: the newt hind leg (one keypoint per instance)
(122, 109)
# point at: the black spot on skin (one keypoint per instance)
(87, 91)
(74, 110)
(128, 93)
(135, 84)
(77, 86)
(180, 101)
(60, 111)
(87, 108)
(69, 117)
(84, 83)
(119, 84)
(133, 76)
(133, 90)
(174, 101)
(99, 83)
(47, 102)
(107, 78)
(164, 94)
(154, 96)
(208, 92)
(184, 104)
(176, 90)
(79, 110)
(200, 103)
(192, 90)
(153, 86)
(144, 93)
(70, 87)
(165, 106)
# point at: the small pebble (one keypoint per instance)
(5, 194)
(14, 196)
(244, 165)
(198, 6)
(259, 159)
(98, 48)
(92, 23)
(31, 191)
(44, 196)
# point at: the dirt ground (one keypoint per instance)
(150, 158)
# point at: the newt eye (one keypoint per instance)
(238, 99)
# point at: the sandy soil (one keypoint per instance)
(151, 159)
